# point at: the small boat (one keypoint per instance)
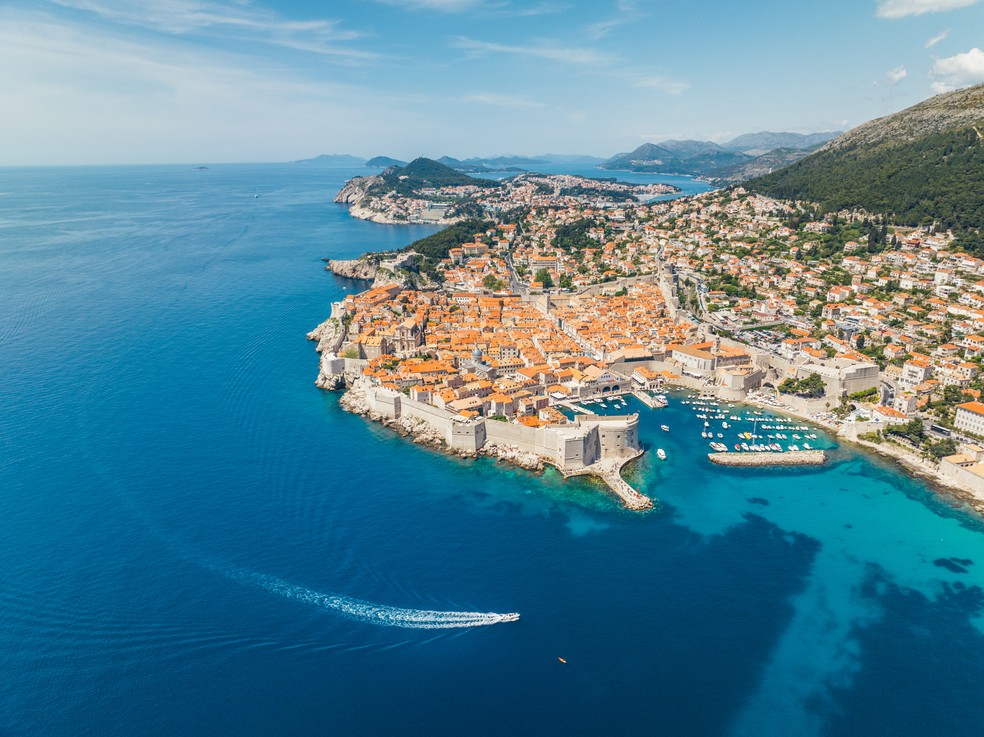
(806, 446)
(664, 428)
(737, 447)
(725, 425)
(562, 661)
(720, 434)
(744, 446)
(661, 454)
(703, 434)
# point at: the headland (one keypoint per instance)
(558, 292)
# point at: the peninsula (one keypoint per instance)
(427, 191)
(863, 322)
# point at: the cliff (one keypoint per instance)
(364, 267)
(400, 268)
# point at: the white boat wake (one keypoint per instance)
(364, 611)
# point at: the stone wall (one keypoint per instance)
(585, 442)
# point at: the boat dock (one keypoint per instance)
(758, 459)
(649, 401)
(577, 408)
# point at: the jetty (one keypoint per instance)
(610, 471)
(756, 459)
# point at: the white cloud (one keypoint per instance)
(894, 76)
(937, 38)
(240, 20)
(904, 8)
(498, 100)
(444, 6)
(564, 55)
(669, 86)
(961, 70)
(85, 95)
(625, 12)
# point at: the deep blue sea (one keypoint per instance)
(194, 540)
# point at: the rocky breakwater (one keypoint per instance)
(789, 458)
(329, 336)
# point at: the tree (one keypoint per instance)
(566, 282)
(942, 448)
(492, 283)
(543, 276)
(952, 394)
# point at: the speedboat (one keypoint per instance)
(664, 428)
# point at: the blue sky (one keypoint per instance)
(122, 81)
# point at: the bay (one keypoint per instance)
(179, 503)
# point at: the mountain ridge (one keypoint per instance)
(917, 166)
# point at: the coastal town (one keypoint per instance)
(875, 331)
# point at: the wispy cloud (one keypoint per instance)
(561, 54)
(625, 12)
(894, 76)
(904, 8)
(961, 70)
(444, 6)
(499, 100)
(88, 94)
(241, 20)
(937, 38)
(669, 86)
(544, 8)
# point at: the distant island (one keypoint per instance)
(332, 160)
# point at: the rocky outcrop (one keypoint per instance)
(356, 189)
(329, 336)
(364, 267)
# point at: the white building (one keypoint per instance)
(970, 417)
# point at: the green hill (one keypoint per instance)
(423, 173)
(922, 165)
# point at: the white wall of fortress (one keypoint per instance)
(584, 443)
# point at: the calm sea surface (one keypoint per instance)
(194, 540)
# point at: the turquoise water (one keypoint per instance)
(198, 541)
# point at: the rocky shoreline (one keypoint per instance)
(363, 268)
(354, 400)
(355, 195)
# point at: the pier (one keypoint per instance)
(756, 459)
(610, 471)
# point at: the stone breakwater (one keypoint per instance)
(789, 458)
